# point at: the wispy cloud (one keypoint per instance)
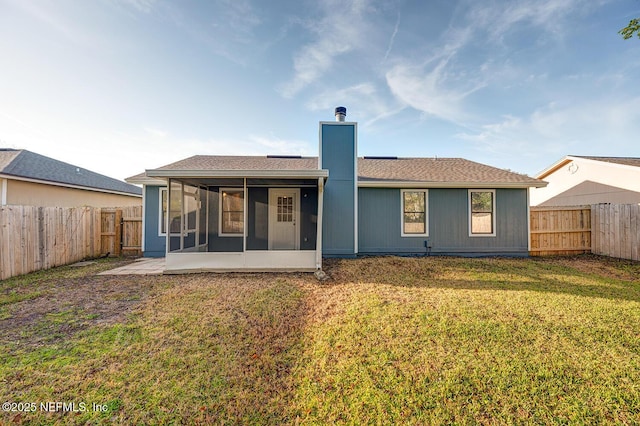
(498, 19)
(145, 6)
(341, 29)
(440, 83)
(366, 104)
(439, 91)
(158, 148)
(226, 27)
(392, 39)
(590, 128)
(237, 20)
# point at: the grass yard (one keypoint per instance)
(386, 340)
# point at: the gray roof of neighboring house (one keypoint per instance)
(370, 169)
(26, 164)
(627, 161)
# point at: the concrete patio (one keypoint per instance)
(142, 266)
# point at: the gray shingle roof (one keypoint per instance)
(439, 170)
(27, 164)
(627, 161)
(229, 162)
(436, 170)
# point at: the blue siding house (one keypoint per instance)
(228, 213)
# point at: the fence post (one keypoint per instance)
(117, 243)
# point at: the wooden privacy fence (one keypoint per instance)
(605, 229)
(616, 230)
(34, 238)
(560, 230)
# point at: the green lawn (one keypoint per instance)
(386, 340)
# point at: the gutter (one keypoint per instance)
(472, 185)
(260, 174)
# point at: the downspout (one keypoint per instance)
(319, 224)
(144, 221)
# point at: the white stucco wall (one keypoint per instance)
(584, 181)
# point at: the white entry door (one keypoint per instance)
(284, 218)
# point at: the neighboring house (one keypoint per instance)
(287, 212)
(578, 180)
(27, 178)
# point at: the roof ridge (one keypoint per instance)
(7, 168)
(605, 156)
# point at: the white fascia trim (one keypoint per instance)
(260, 174)
(68, 185)
(552, 168)
(421, 185)
(146, 181)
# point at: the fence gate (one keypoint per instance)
(122, 231)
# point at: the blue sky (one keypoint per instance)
(119, 86)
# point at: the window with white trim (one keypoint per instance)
(482, 212)
(414, 212)
(231, 212)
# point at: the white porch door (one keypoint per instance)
(284, 218)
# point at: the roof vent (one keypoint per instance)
(341, 113)
(380, 158)
(284, 156)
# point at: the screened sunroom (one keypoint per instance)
(242, 220)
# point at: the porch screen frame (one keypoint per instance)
(198, 213)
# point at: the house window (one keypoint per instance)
(231, 212)
(285, 209)
(414, 213)
(174, 214)
(482, 218)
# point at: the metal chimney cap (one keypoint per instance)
(341, 113)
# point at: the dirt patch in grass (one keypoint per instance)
(53, 305)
